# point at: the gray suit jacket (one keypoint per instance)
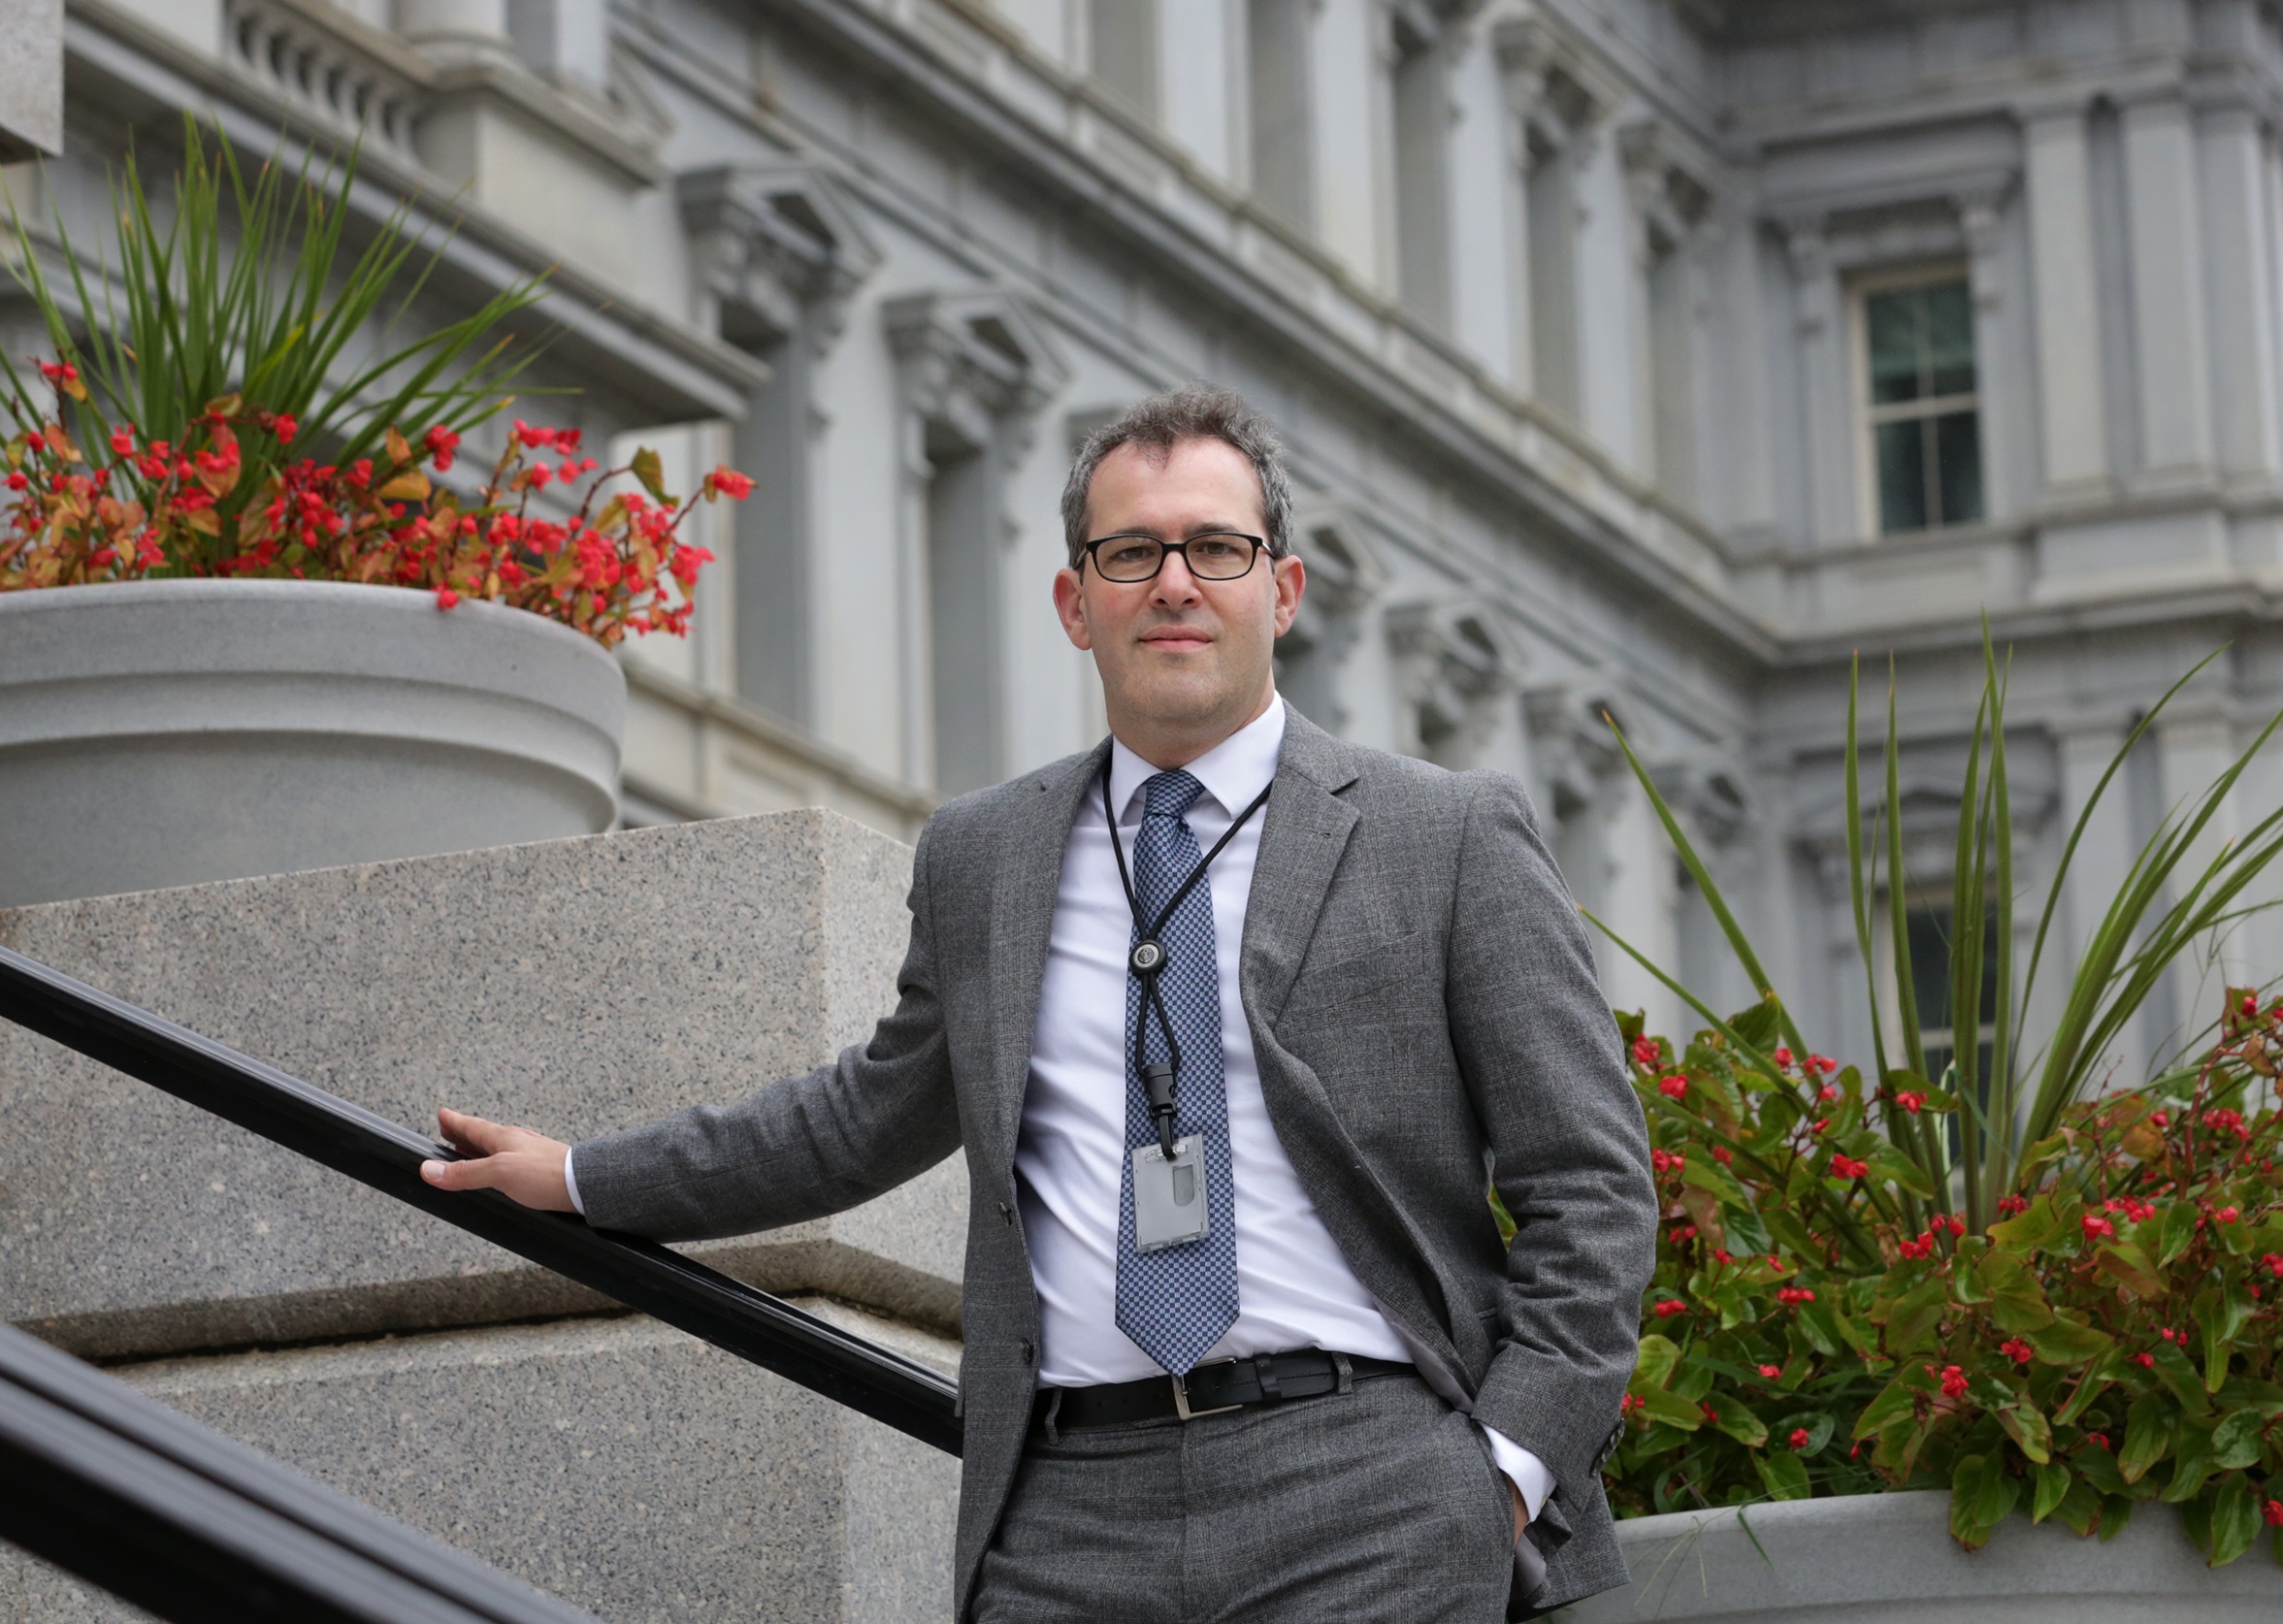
(1422, 1002)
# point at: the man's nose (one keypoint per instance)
(1175, 584)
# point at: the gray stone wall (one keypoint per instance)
(574, 986)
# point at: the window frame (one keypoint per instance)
(1868, 416)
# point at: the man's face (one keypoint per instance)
(1184, 662)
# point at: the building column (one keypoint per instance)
(1825, 394)
(2167, 294)
(1977, 222)
(2238, 280)
(2103, 857)
(1348, 90)
(2073, 431)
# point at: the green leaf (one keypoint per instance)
(1887, 1162)
(1784, 1473)
(1981, 1494)
(1896, 1400)
(2053, 1481)
(1756, 1025)
(2150, 1426)
(647, 468)
(2238, 1441)
(2098, 1466)
(2030, 1431)
(2181, 1378)
(2065, 1342)
(1705, 1174)
(2177, 1231)
(1733, 1416)
(2078, 1507)
(2190, 1463)
(1817, 1324)
(2221, 1317)
(1915, 1319)
(2017, 1302)
(1658, 1355)
(2131, 1267)
(1670, 1409)
(2234, 1521)
(2027, 1230)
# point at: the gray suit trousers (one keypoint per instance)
(1378, 1506)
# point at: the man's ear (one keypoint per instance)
(1071, 608)
(1292, 580)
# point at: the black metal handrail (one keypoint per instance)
(116, 1488)
(369, 1147)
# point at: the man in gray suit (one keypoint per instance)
(1235, 1022)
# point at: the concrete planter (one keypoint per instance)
(1889, 1559)
(166, 732)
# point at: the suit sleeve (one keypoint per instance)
(883, 1113)
(1539, 1052)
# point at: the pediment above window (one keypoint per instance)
(779, 247)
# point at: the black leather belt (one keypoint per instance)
(1210, 1389)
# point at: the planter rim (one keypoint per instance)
(398, 600)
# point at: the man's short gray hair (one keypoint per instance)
(1199, 412)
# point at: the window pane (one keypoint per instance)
(1949, 331)
(1958, 466)
(1895, 322)
(1929, 930)
(1902, 476)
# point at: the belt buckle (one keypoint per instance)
(1181, 1394)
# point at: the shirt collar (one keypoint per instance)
(1233, 771)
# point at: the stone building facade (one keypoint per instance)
(1639, 358)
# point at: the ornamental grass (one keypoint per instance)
(2052, 1297)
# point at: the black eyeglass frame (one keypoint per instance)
(1092, 551)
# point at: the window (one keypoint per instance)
(1922, 404)
(1422, 105)
(1275, 57)
(1672, 368)
(963, 585)
(1929, 929)
(1123, 48)
(1550, 216)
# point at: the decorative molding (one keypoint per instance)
(1455, 660)
(977, 365)
(778, 249)
(1345, 569)
(1571, 745)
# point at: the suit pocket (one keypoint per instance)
(1363, 982)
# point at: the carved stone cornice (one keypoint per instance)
(778, 248)
(1455, 660)
(976, 365)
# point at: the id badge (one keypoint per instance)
(1169, 1196)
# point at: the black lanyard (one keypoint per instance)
(1148, 959)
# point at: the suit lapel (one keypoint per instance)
(1028, 879)
(1303, 835)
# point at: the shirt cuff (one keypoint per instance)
(1524, 1470)
(570, 1188)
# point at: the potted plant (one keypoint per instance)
(249, 619)
(1899, 1319)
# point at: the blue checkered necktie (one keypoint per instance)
(1176, 1302)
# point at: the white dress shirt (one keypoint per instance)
(1293, 1288)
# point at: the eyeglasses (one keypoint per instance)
(1216, 556)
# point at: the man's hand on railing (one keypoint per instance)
(525, 1166)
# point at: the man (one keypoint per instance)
(1242, 1341)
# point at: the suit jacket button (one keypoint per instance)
(1006, 1211)
(1029, 1352)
